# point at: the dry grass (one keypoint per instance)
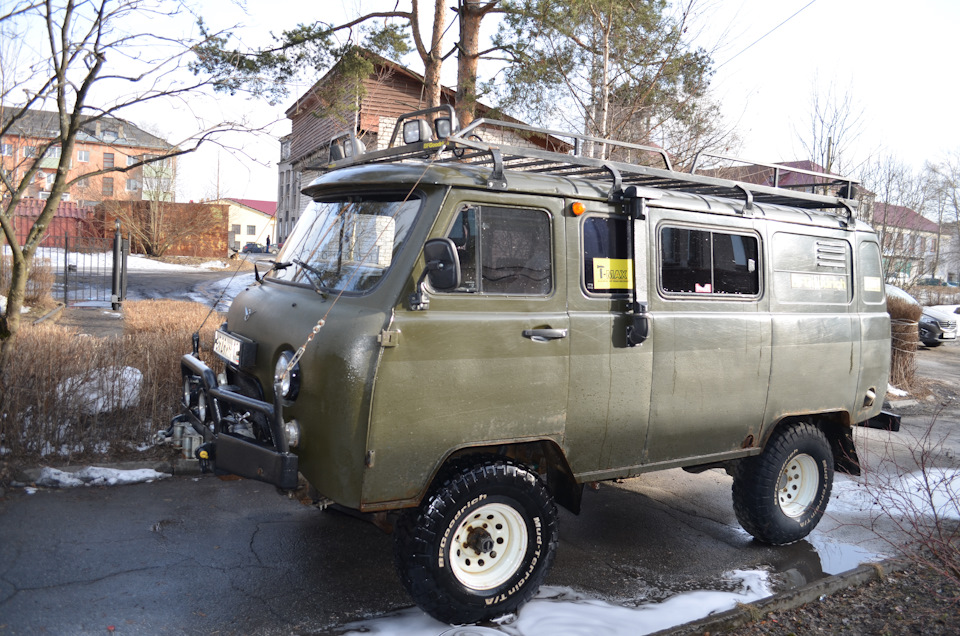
(904, 339)
(69, 395)
(39, 282)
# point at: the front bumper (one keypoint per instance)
(227, 451)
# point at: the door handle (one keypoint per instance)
(544, 335)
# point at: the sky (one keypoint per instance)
(897, 62)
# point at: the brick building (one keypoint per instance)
(100, 144)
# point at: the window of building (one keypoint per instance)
(29, 151)
(108, 160)
(108, 186)
(132, 160)
(607, 264)
(235, 228)
(49, 178)
(83, 183)
(53, 152)
(251, 230)
(6, 150)
(705, 262)
(83, 156)
(503, 250)
(132, 185)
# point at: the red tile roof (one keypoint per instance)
(267, 207)
(70, 209)
(898, 216)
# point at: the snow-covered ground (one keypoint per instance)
(559, 610)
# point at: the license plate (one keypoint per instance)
(947, 336)
(227, 346)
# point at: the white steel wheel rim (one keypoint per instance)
(798, 485)
(487, 569)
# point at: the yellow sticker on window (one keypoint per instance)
(612, 273)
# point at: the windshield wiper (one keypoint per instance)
(318, 287)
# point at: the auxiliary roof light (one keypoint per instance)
(578, 208)
(443, 126)
(416, 130)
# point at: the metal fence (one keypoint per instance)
(88, 270)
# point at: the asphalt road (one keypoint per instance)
(203, 555)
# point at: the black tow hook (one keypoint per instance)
(206, 453)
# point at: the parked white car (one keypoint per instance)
(937, 326)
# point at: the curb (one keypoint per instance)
(749, 613)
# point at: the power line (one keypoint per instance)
(767, 33)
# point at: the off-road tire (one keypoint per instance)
(780, 495)
(456, 584)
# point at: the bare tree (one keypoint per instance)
(91, 61)
(835, 124)
(943, 179)
(897, 188)
(157, 225)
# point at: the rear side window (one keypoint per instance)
(503, 250)
(812, 270)
(696, 261)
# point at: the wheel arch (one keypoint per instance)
(543, 457)
(837, 426)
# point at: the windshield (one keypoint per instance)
(346, 244)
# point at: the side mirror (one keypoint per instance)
(442, 270)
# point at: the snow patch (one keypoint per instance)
(931, 493)
(3, 305)
(892, 390)
(559, 610)
(96, 476)
(111, 389)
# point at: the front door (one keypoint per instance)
(486, 363)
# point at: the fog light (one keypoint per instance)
(188, 384)
(291, 430)
(202, 406)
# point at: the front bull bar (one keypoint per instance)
(231, 453)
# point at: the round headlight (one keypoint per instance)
(187, 390)
(289, 381)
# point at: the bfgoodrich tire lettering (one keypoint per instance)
(481, 543)
(780, 495)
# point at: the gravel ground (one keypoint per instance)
(916, 600)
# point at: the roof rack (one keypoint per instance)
(575, 155)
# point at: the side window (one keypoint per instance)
(707, 262)
(607, 263)
(503, 250)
